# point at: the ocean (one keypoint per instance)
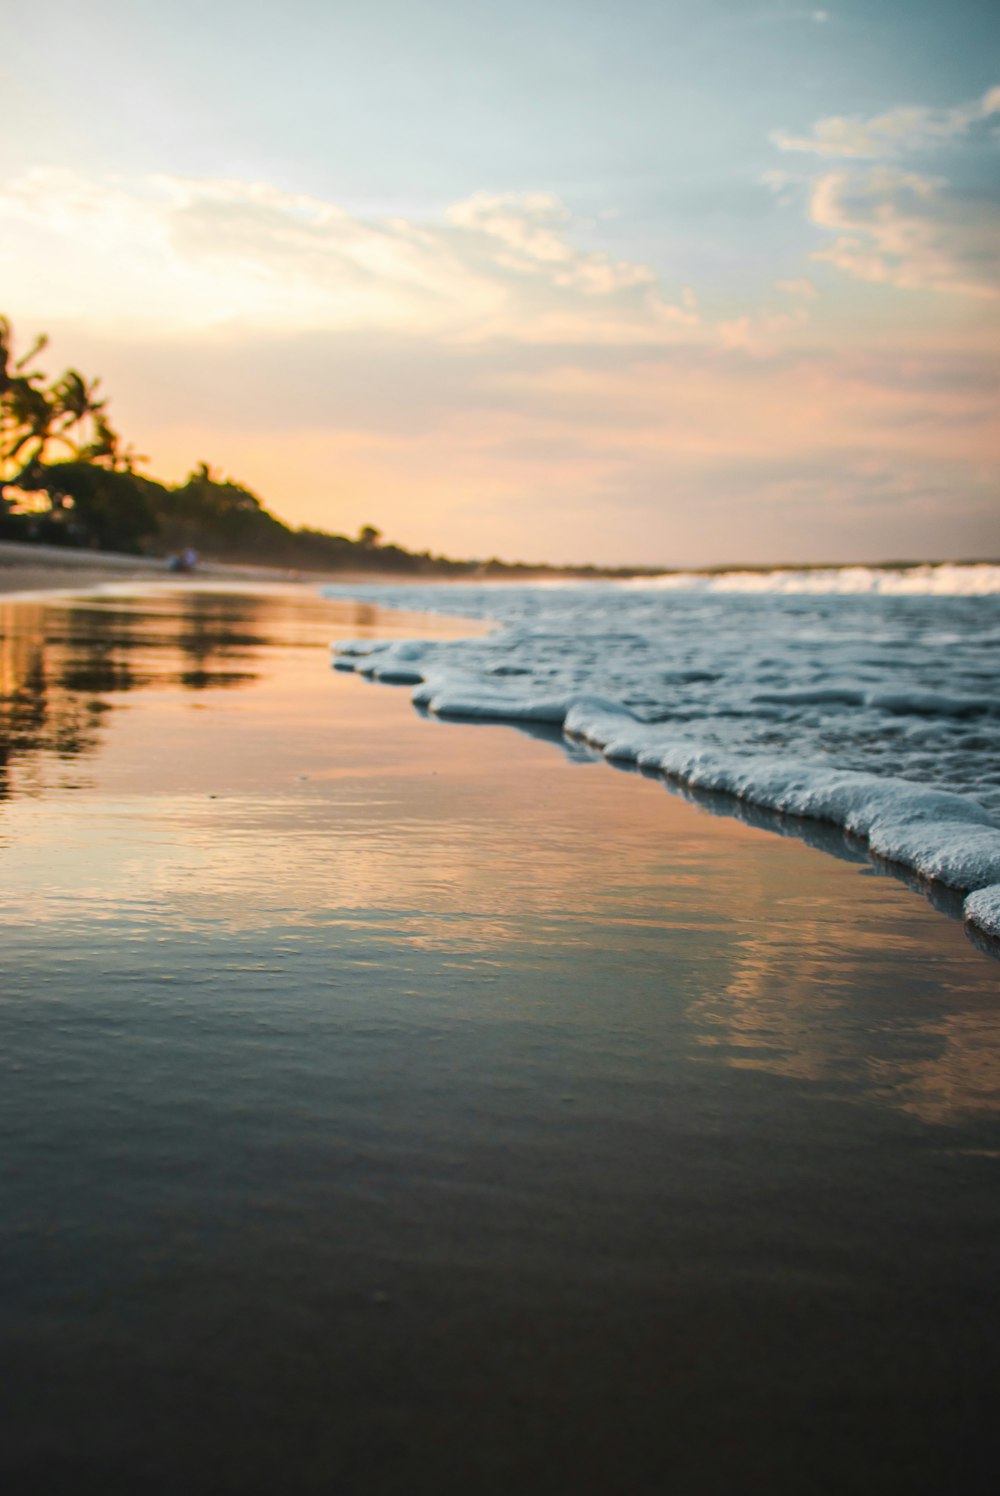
(862, 698)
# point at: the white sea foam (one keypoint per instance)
(982, 909)
(876, 709)
(943, 580)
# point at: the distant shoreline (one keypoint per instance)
(29, 568)
(44, 568)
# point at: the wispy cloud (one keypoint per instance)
(908, 128)
(896, 227)
(902, 229)
(200, 253)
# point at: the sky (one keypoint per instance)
(649, 283)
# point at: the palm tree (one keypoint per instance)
(66, 414)
(75, 402)
(26, 409)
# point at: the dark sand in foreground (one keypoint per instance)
(394, 1104)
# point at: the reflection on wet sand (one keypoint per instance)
(64, 662)
(60, 662)
(813, 1007)
(823, 1008)
(37, 714)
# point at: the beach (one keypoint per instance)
(27, 570)
(397, 1101)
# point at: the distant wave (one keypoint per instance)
(945, 579)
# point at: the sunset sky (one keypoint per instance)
(638, 283)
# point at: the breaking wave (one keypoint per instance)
(875, 707)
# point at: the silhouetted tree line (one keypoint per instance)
(66, 478)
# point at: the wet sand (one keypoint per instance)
(395, 1103)
(27, 570)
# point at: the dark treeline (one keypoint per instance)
(67, 478)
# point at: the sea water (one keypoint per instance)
(383, 1095)
(863, 697)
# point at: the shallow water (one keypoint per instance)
(394, 1102)
(877, 712)
(902, 686)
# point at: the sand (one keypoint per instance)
(33, 569)
(394, 1102)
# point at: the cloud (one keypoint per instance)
(894, 227)
(526, 234)
(761, 333)
(802, 288)
(908, 128)
(481, 382)
(910, 231)
(196, 253)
